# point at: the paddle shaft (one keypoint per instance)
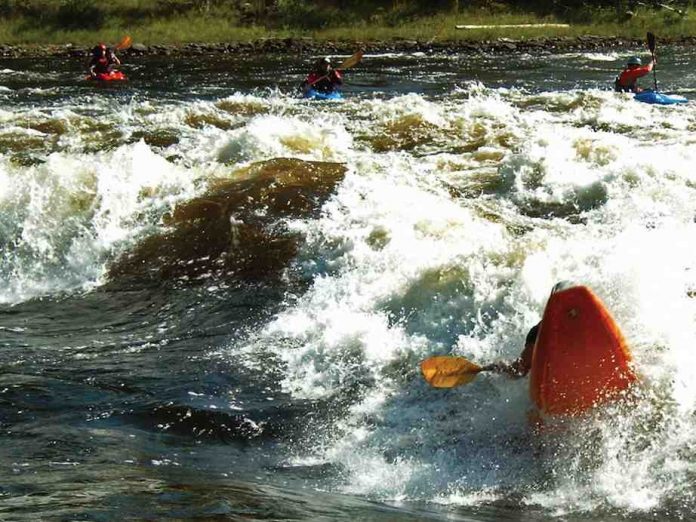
(651, 46)
(654, 71)
(321, 78)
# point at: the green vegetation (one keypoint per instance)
(180, 21)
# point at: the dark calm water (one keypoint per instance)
(214, 295)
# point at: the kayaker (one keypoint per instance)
(519, 367)
(102, 61)
(323, 78)
(627, 80)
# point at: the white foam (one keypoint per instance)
(67, 215)
(408, 271)
(274, 136)
(448, 245)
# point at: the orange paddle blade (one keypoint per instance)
(125, 43)
(352, 61)
(445, 371)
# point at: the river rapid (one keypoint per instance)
(214, 295)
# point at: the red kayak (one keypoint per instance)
(581, 359)
(111, 76)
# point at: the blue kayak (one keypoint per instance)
(311, 94)
(659, 98)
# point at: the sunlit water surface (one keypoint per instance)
(214, 295)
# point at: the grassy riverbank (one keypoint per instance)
(220, 24)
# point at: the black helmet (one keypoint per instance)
(634, 60)
(98, 49)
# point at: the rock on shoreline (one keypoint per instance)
(311, 46)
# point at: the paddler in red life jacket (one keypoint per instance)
(627, 81)
(102, 61)
(323, 78)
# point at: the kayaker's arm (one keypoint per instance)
(113, 58)
(519, 367)
(336, 77)
(516, 369)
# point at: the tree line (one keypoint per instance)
(90, 14)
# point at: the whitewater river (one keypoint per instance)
(214, 295)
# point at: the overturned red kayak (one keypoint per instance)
(111, 76)
(581, 359)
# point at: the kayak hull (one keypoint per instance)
(311, 94)
(113, 76)
(659, 98)
(580, 358)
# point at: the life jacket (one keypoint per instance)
(324, 83)
(102, 64)
(621, 88)
(627, 80)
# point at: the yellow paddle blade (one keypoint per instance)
(445, 371)
(352, 61)
(125, 43)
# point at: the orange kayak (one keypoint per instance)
(580, 357)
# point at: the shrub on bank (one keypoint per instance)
(308, 15)
(67, 14)
(79, 14)
(35, 9)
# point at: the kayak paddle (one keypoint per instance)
(448, 371)
(352, 61)
(651, 46)
(125, 43)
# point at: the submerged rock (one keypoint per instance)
(235, 230)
